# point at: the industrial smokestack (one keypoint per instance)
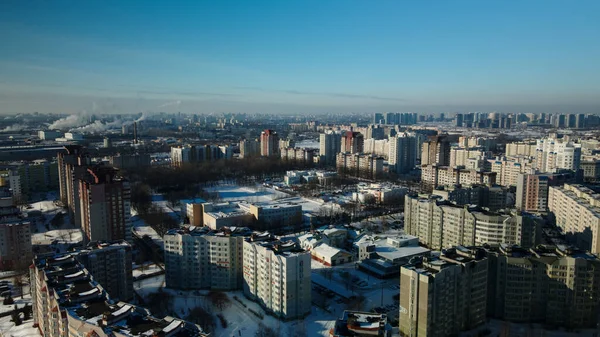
(135, 139)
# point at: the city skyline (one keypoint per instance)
(300, 58)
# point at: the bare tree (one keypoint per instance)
(219, 300)
(265, 331)
(203, 317)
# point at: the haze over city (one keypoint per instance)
(299, 57)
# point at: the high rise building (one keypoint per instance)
(352, 142)
(555, 154)
(436, 151)
(68, 301)
(15, 235)
(329, 146)
(359, 165)
(556, 286)
(532, 192)
(201, 258)
(378, 118)
(375, 131)
(72, 165)
(459, 120)
(277, 276)
(269, 143)
(576, 209)
(110, 265)
(440, 224)
(249, 148)
(443, 296)
(105, 205)
(403, 153)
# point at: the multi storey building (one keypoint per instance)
(375, 131)
(555, 154)
(436, 151)
(359, 165)
(105, 205)
(524, 148)
(35, 176)
(269, 143)
(277, 275)
(110, 265)
(352, 142)
(190, 154)
(72, 166)
(434, 175)
(249, 148)
(271, 215)
(200, 258)
(591, 170)
(557, 286)
(577, 211)
(130, 161)
(491, 197)
(298, 154)
(68, 301)
(403, 152)
(329, 146)
(378, 147)
(443, 296)
(15, 235)
(440, 224)
(459, 156)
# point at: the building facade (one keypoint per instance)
(277, 276)
(269, 143)
(403, 153)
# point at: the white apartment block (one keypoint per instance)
(277, 275)
(555, 154)
(521, 149)
(577, 211)
(378, 147)
(460, 156)
(198, 258)
(403, 152)
(434, 175)
(442, 224)
(508, 169)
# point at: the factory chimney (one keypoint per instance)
(135, 137)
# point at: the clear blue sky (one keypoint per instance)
(295, 56)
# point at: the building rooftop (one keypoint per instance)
(84, 299)
(358, 323)
(200, 231)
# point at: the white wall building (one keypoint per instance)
(277, 275)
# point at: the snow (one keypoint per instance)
(148, 269)
(20, 302)
(8, 328)
(66, 236)
(331, 285)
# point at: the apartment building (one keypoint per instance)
(491, 197)
(441, 224)
(443, 296)
(459, 156)
(402, 157)
(105, 205)
(553, 154)
(378, 147)
(130, 161)
(190, 154)
(68, 301)
(359, 165)
(329, 146)
(352, 142)
(269, 143)
(434, 175)
(525, 148)
(486, 143)
(201, 258)
(436, 151)
(576, 209)
(249, 148)
(15, 235)
(72, 166)
(558, 286)
(36, 176)
(508, 168)
(277, 276)
(591, 170)
(109, 263)
(298, 154)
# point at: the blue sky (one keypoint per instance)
(299, 56)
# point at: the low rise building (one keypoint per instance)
(358, 324)
(218, 215)
(275, 214)
(383, 257)
(330, 256)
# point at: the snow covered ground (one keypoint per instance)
(146, 269)
(63, 236)
(26, 329)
